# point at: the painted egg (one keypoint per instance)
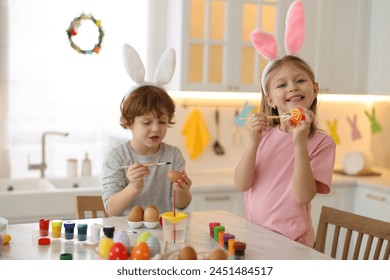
(136, 214)
(154, 246)
(150, 215)
(118, 252)
(122, 237)
(105, 246)
(296, 115)
(143, 237)
(174, 175)
(140, 252)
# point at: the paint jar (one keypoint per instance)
(239, 250)
(95, 232)
(231, 246)
(82, 232)
(56, 226)
(66, 257)
(69, 230)
(217, 229)
(226, 239)
(109, 231)
(221, 234)
(174, 227)
(211, 228)
(44, 227)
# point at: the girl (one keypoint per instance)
(147, 112)
(284, 164)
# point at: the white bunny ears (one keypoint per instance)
(266, 44)
(136, 70)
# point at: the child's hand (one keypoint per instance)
(136, 173)
(183, 184)
(256, 123)
(302, 129)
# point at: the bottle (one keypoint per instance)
(86, 167)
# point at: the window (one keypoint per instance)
(53, 87)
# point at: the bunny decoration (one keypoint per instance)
(375, 125)
(333, 130)
(266, 44)
(136, 70)
(355, 131)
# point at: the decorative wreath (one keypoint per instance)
(72, 31)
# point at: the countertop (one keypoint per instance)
(261, 243)
(213, 179)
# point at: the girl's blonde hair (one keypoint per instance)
(143, 100)
(298, 63)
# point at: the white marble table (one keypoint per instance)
(261, 243)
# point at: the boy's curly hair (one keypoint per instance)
(143, 100)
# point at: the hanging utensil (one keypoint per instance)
(218, 149)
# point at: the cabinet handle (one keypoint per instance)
(217, 198)
(375, 197)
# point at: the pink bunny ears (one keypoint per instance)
(266, 44)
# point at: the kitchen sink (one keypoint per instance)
(24, 184)
(74, 183)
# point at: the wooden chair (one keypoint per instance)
(359, 231)
(90, 204)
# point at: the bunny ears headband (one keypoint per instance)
(136, 70)
(266, 44)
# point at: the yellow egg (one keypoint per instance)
(105, 247)
(174, 175)
(150, 215)
(136, 214)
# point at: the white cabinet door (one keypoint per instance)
(232, 201)
(372, 203)
(337, 44)
(212, 42)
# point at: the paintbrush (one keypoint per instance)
(151, 164)
(284, 117)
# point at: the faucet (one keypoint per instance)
(42, 166)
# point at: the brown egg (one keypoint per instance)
(136, 214)
(187, 253)
(174, 175)
(218, 254)
(153, 206)
(150, 214)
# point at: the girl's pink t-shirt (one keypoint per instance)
(270, 201)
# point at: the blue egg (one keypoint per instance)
(154, 246)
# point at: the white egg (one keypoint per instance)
(122, 237)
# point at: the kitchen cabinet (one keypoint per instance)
(222, 199)
(214, 53)
(341, 197)
(372, 202)
(337, 44)
(211, 38)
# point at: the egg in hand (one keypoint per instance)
(174, 175)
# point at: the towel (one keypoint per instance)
(196, 135)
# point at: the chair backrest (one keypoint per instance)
(90, 204)
(359, 232)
